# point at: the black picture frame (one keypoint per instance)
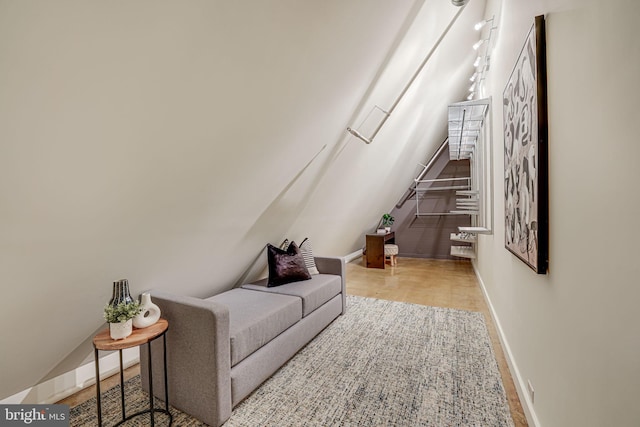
(526, 186)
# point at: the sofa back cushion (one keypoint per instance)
(314, 292)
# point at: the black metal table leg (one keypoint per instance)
(98, 400)
(166, 382)
(124, 412)
(150, 384)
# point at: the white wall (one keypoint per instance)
(167, 142)
(574, 333)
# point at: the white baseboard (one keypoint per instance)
(62, 386)
(520, 383)
(350, 257)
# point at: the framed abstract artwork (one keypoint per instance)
(526, 197)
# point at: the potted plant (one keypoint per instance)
(120, 318)
(387, 221)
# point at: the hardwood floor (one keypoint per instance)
(107, 383)
(440, 283)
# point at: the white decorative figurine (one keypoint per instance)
(150, 312)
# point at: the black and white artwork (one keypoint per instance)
(525, 154)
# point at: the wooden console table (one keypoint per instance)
(375, 248)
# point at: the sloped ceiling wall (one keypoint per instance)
(167, 142)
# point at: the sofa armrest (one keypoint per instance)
(198, 357)
(335, 265)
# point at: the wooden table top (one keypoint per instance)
(103, 340)
(389, 234)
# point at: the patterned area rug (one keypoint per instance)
(383, 364)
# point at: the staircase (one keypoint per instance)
(423, 226)
(473, 198)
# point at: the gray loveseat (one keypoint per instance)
(220, 349)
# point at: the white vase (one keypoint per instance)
(121, 330)
(150, 312)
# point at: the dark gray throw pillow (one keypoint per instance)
(286, 266)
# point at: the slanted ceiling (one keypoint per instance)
(167, 142)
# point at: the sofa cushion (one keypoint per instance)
(313, 292)
(255, 318)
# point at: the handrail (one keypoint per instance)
(459, 209)
(459, 178)
(450, 213)
(449, 188)
(411, 191)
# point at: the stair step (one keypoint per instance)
(457, 238)
(463, 251)
(476, 230)
(465, 212)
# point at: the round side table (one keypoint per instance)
(103, 342)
